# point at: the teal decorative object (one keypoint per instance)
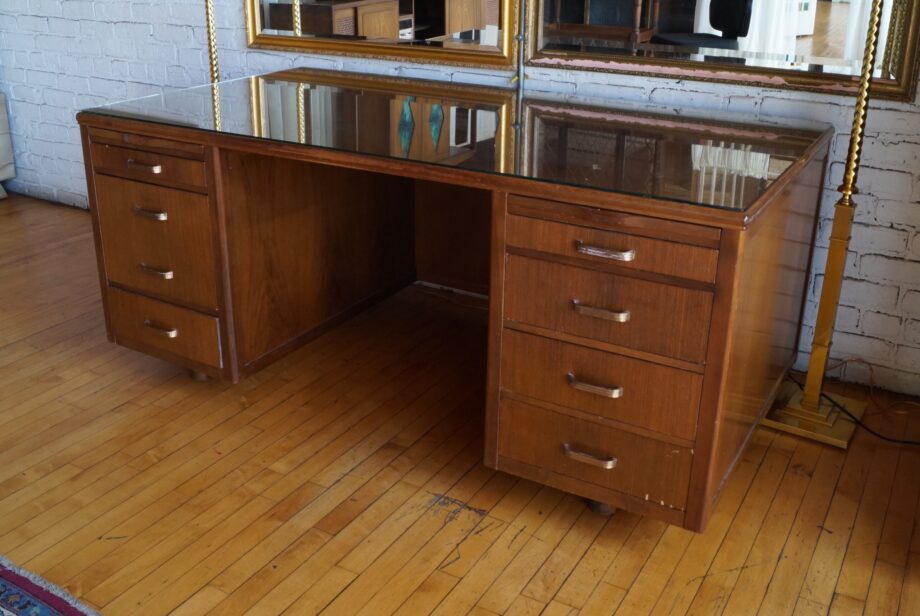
(435, 122)
(406, 126)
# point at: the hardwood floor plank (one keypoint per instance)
(714, 586)
(789, 574)
(482, 575)
(909, 601)
(396, 496)
(901, 512)
(605, 600)
(884, 594)
(843, 605)
(594, 564)
(428, 594)
(547, 581)
(629, 561)
(849, 542)
(643, 594)
(410, 511)
(525, 564)
(750, 586)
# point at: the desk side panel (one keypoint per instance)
(97, 232)
(308, 246)
(763, 328)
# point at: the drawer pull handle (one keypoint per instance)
(154, 169)
(167, 332)
(617, 316)
(608, 464)
(151, 214)
(605, 253)
(597, 390)
(155, 271)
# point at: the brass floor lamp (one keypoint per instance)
(808, 411)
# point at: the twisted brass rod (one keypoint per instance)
(212, 61)
(295, 18)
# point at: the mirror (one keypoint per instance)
(454, 31)
(804, 44)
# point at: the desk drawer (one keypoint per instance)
(648, 395)
(158, 240)
(609, 247)
(638, 314)
(150, 167)
(148, 143)
(641, 467)
(144, 323)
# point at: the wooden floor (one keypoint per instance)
(830, 37)
(347, 479)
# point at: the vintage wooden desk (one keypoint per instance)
(645, 274)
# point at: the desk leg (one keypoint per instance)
(601, 508)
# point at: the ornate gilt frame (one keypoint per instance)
(902, 88)
(505, 59)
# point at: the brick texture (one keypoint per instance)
(58, 56)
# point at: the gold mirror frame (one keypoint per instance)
(505, 59)
(903, 87)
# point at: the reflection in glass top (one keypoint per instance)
(802, 35)
(720, 164)
(648, 155)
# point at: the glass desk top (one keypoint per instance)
(658, 155)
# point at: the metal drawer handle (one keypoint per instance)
(597, 390)
(154, 169)
(618, 316)
(608, 464)
(151, 214)
(168, 332)
(155, 271)
(605, 253)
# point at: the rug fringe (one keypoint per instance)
(38, 580)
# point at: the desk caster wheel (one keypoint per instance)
(601, 508)
(201, 377)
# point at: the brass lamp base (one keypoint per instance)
(826, 425)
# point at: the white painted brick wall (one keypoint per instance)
(58, 56)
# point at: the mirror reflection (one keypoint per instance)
(424, 127)
(470, 24)
(809, 35)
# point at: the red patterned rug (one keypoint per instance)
(26, 594)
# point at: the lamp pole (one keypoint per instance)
(808, 413)
(212, 61)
